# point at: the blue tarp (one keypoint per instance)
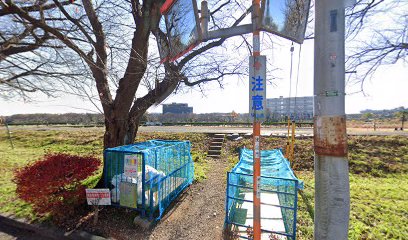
(273, 164)
(276, 177)
(164, 169)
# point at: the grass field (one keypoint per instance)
(30, 145)
(378, 174)
(379, 207)
(378, 184)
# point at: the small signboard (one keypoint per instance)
(131, 165)
(98, 196)
(257, 88)
(128, 194)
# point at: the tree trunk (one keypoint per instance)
(117, 133)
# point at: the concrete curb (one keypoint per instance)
(47, 231)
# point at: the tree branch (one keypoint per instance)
(33, 8)
(222, 75)
(100, 71)
(10, 50)
(217, 43)
(40, 24)
(74, 21)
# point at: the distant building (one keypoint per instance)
(299, 108)
(177, 108)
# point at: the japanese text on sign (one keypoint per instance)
(257, 151)
(98, 196)
(131, 165)
(257, 88)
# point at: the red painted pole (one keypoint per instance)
(256, 133)
(257, 173)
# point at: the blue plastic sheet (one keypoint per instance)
(273, 164)
(276, 178)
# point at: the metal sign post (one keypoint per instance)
(289, 21)
(256, 123)
(257, 105)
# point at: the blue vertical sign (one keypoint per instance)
(257, 88)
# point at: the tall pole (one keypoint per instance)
(332, 192)
(4, 120)
(256, 131)
(9, 134)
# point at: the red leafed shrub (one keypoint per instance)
(53, 185)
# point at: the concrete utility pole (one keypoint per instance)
(332, 191)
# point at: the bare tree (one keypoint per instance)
(110, 45)
(402, 115)
(23, 67)
(377, 35)
(370, 45)
(105, 50)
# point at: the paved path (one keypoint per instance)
(11, 229)
(264, 131)
(220, 129)
(10, 233)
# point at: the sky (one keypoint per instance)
(386, 89)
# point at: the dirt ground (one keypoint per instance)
(201, 213)
(197, 214)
